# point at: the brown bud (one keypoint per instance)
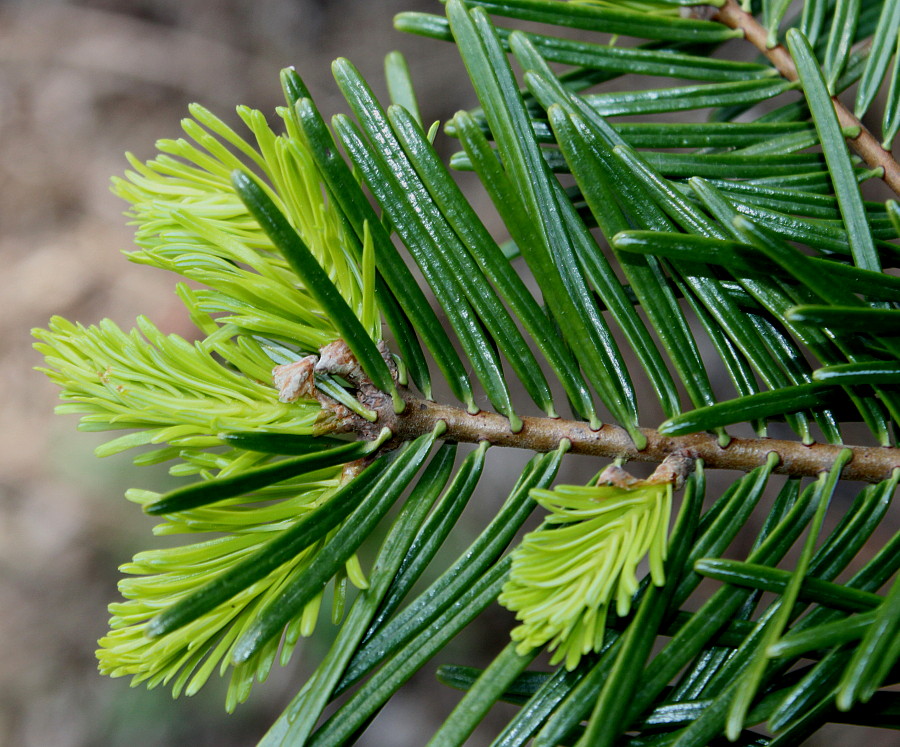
(296, 380)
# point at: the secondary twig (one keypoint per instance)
(864, 144)
(869, 463)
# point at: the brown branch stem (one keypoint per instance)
(865, 145)
(421, 416)
(868, 464)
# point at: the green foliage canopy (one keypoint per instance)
(662, 252)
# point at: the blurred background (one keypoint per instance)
(81, 83)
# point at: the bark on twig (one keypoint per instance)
(421, 416)
(868, 464)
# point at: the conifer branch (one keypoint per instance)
(864, 144)
(868, 464)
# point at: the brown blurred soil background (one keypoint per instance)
(81, 83)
